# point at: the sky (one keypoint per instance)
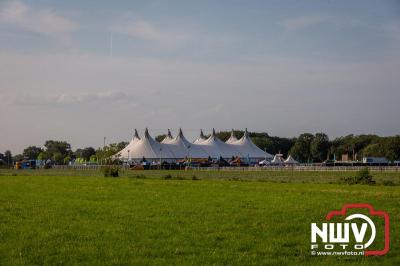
(83, 70)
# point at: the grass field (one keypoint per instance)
(236, 218)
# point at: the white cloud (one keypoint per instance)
(41, 21)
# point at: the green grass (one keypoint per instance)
(284, 175)
(68, 217)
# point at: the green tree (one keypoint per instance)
(105, 154)
(67, 159)
(58, 158)
(8, 157)
(319, 147)
(18, 158)
(42, 156)
(85, 153)
(57, 150)
(301, 149)
(159, 138)
(374, 150)
(32, 152)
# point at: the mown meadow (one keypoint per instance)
(75, 217)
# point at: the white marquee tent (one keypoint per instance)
(201, 138)
(290, 160)
(248, 149)
(168, 138)
(277, 160)
(217, 148)
(125, 152)
(232, 139)
(179, 147)
(182, 148)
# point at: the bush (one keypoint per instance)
(388, 183)
(363, 176)
(167, 177)
(110, 170)
(194, 177)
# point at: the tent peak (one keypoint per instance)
(146, 133)
(169, 134)
(202, 134)
(136, 134)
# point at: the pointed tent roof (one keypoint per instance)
(149, 148)
(168, 138)
(247, 148)
(216, 147)
(232, 138)
(182, 148)
(277, 159)
(124, 152)
(290, 160)
(201, 138)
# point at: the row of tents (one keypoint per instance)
(279, 160)
(175, 148)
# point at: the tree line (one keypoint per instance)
(306, 148)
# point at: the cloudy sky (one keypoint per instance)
(81, 70)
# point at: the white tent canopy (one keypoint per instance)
(217, 148)
(201, 138)
(290, 160)
(179, 148)
(232, 138)
(182, 148)
(148, 148)
(277, 160)
(125, 152)
(168, 138)
(247, 148)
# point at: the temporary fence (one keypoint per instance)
(254, 168)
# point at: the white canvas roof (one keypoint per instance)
(148, 148)
(124, 152)
(277, 160)
(290, 160)
(201, 138)
(182, 148)
(217, 148)
(247, 148)
(232, 138)
(168, 138)
(179, 147)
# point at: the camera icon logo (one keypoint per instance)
(353, 235)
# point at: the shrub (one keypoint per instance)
(194, 177)
(110, 170)
(167, 177)
(388, 183)
(363, 176)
